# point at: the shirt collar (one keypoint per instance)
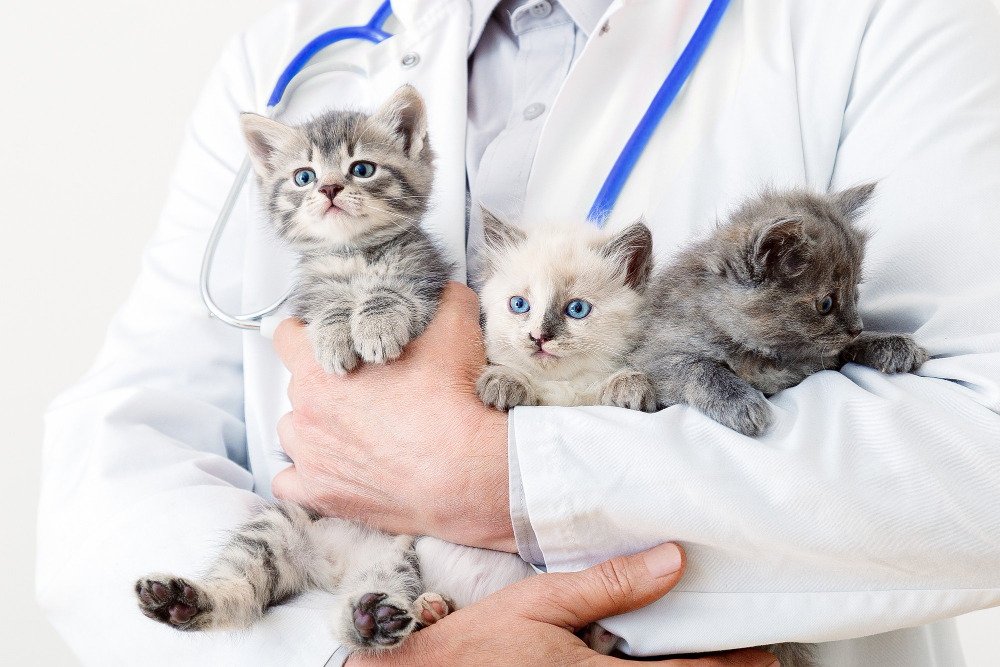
(585, 13)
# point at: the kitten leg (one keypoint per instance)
(887, 352)
(714, 389)
(628, 389)
(503, 388)
(330, 334)
(261, 565)
(382, 597)
(386, 318)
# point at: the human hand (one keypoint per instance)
(407, 446)
(532, 622)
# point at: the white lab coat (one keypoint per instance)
(871, 505)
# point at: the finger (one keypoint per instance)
(572, 600)
(287, 485)
(286, 435)
(293, 345)
(742, 658)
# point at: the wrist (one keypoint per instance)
(479, 482)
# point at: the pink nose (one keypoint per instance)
(538, 339)
(855, 332)
(331, 190)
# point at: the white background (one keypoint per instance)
(93, 102)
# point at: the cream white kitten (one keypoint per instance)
(563, 304)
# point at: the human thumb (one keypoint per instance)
(574, 599)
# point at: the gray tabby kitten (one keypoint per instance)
(347, 191)
(563, 305)
(767, 300)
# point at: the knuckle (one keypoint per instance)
(619, 583)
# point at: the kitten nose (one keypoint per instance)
(539, 339)
(855, 332)
(331, 190)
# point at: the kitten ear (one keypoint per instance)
(780, 249)
(406, 115)
(632, 249)
(266, 139)
(497, 233)
(851, 202)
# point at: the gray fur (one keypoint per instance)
(736, 315)
(369, 277)
(284, 550)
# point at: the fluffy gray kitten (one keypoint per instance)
(347, 191)
(765, 301)
(563, 305)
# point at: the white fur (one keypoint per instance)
(557, 263)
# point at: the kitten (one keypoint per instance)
(765, 301)
(347, 191)
(563, 305)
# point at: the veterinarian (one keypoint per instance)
(867, 514)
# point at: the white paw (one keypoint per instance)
(430, 608)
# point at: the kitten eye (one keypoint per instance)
(304, 177)
(825, 305)
(578, 309)
(363, 169)
(518, 304)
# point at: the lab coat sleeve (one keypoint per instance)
(145, 460)
(873, 502)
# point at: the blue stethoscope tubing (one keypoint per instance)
(373, 32)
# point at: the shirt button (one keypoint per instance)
(541, 9)
(533, 111)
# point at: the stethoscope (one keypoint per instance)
(298, 70)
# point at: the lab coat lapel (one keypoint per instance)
(605, 96)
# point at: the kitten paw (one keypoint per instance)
(628, 389)
(430, 608)
(378, 622)
(499, 388)
(333, 348)
(598, 639)
(889, 353)
(379, 332)
(750, 415)
(173, 601)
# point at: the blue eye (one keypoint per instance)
(304, 177)
(578, 309)
(518, 304)
(363, 169)
(825, 305)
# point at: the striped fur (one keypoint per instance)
(369, 277)
(284, 550)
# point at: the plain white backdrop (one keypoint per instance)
(95, 96)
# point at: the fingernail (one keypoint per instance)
(663, 560)
(775, 664)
